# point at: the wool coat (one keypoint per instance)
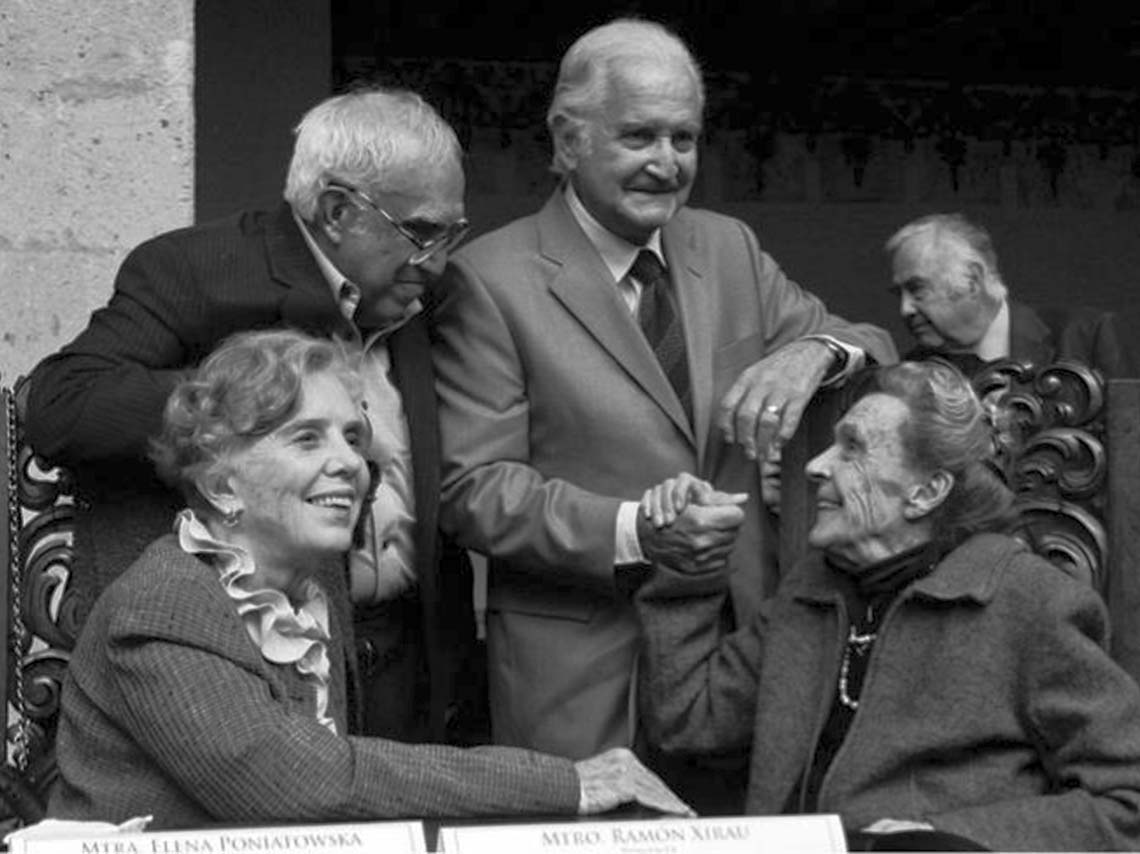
(990, 708)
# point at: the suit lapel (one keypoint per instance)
(688, 261)
(414, 379)
(581, 282)
(307, 302)
(412, 376)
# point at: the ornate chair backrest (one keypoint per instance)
(40, 619)
(1069, 444)
(1051, 446)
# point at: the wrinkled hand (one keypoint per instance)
(765, 404)
(616, 777)
(896, 825)
(687, 524)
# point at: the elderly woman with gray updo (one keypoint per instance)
(920, 672)
(209, 682)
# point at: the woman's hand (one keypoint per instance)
(616, 777)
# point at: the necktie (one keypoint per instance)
(658, 319)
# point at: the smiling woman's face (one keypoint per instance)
(864, 481)
(300, 488)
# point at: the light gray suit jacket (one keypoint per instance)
(554, 410)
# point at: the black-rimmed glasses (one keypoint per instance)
(446, 237)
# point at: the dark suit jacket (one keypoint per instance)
(170, 709)
(93, 405)
(1044, 334)
(554, 410)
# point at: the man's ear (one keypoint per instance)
(567, 136)
(924, 498)
(334, 215)
(976, 279)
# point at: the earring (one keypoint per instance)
(230, 517)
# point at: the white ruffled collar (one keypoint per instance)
(285, 634)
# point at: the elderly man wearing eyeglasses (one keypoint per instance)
(373, 205)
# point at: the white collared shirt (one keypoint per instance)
(385, 567)
(995, 344)
(618, 254)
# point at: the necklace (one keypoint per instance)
(860, 644)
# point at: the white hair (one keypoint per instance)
(954, 229)
(362, 137)
(591, 63)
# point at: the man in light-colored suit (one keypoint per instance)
(557, 412)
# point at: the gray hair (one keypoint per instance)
(949, 429)
(955, 228)
(589, 66)
(360, 138)
(248, 387)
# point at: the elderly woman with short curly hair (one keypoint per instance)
(919, 672)
(208, 684)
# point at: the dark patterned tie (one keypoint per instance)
(658, 318)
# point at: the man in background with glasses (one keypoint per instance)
(373, 204)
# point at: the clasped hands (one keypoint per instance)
(688, 525)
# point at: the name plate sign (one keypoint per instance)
(742, 835)
(391, 837)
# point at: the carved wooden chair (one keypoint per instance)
(1070, 449)
(1072, 452)
(38, 616)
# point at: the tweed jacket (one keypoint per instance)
(169, 709)
(93, 405)
(554, 410)
(990, 708)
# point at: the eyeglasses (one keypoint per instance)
(445, 237)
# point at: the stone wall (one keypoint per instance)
(121, 119)
(96, 154)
